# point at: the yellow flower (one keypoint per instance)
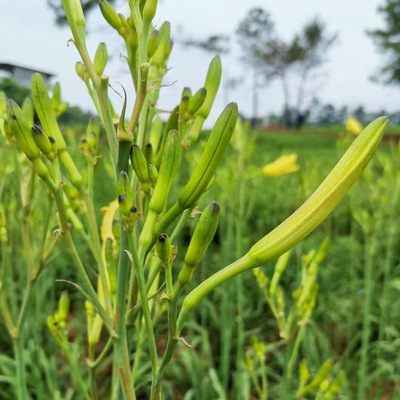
(353, 126)
(282, 166)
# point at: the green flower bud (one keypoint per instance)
(213, 80)
(152, 43)
(27, 111)
(149, 10)
(170, 163)
(116, 230)
(186, 92)
(20, 129)
(43, 142)
(149, 153)
(23, 135)
(169, 167)
(156, 133)
(303, 221)
(153, 173)
(139, 164)
(183, 107)
(58, 106)
(160, 55)
(111, 16)
(197, 101)
(81, 71)
(63, 307)
(211, 157)
(172, 124)
(56, 98)
(100, 59)
(202, 237)
(163, 248)
(124, 193)
(45, 112)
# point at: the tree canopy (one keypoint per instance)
(387, 39)
(274, 57)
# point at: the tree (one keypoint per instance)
(275, 58)
(387, 39)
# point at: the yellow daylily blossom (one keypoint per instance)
(354, 126)
(283, 165)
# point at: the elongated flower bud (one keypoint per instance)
(124, 193)
(23, 135)
(63, 307)
(303, 221)
(149, 10)
(50, 126)
(156, 133)
(202, 237)
(153, 173)
(152, 43)
(161, 53)
(149, 153)
(81, 71)
(27, 111)
(163, 248)
(169, 167)
(212, 83)
(197, 101)
(43, 142)
(116, 230)
(170, 163)
(21, 130)
(111, 16)
(56, 98)
(186, 92)
(139, 164)
(213, 80)
(183, 107)
(100, 59)
(211, 157)
(76, 19)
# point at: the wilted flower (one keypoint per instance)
(282, 165)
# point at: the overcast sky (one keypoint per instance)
(29, 37)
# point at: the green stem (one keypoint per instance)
(197, 294)
(87, 285)
(75, 370)
(21, 388)
(138, 260)
(120, 344)
(366, 330)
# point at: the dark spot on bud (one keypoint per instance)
(123, 175)
(185, 99)
(214, 205)
(52, 140)
(163, 238)
(84, 140)
(37, 129)
(121, 198)
(133, 210)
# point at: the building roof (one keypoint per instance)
(11, 67)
